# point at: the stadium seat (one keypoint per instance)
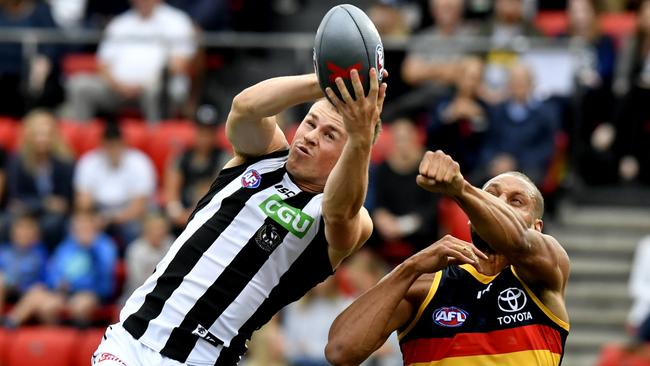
(552, 23)
(89, 137)
(222, 139)
(382, 146)
(69, 131)
(5, 340)
(87, 343)
(168, 139)
(79, 63)
(136, 133)
(42, 346)
(617, 355)
(9, 133)
(618, 25)
(453, 220)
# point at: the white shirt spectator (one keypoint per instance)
(640, 284)
(136, 49)
(113, 187)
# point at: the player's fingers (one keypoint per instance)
(333, 98)
(382, 95)
(340, 84)
(459, 255)
(424, 164)
(374, 85)
(356, 84)
(466, 247)
(385, 74)
(451, 171)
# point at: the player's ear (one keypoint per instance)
(538, 225)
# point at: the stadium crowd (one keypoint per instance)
(105, 150)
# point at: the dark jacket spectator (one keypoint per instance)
(522, 131)
(40, 175)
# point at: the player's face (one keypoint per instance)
(517, 193)
(317, 145)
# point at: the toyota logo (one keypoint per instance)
(512, 299)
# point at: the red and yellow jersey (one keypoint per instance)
(470, 319)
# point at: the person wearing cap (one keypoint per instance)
(118, 181)
(188, 177)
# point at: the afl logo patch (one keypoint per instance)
(450, 317)
(251, 179)
(379, 61)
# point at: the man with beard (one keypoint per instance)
(500, 301)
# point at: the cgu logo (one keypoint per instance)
(291, 218)
(449, 317)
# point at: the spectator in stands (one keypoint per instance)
(522, 131)
(508, 24)
(190, 175)
(593, 134)
(266, 347)
(40, 176)
(209, 15)
(405, 222)
(459, 120)
(434, 52)
(307, 322)
(119, 182)
(79, 277)
(22, 260)
(27, 82)
(144, 253)
(633, 78)
(139, 48)
(639, 287)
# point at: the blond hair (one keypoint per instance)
(30, 125)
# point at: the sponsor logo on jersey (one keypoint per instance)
(268, 238)
(449, 316)
(251, 179)
(291, 218)
(205, 334)
(512, 299)
(284, 190)
(482, 292)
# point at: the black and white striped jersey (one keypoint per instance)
(254, 243)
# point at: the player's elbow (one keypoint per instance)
(243, 103)
(339, 353)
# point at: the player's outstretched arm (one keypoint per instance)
(347, 223)
(538, 258)
(366, 324)
(251, 127)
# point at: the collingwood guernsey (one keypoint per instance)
(255, 243)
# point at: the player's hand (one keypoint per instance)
(439, 173)
(446, 251)
(360, 114)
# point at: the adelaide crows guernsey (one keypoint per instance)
(470, 319)
(254, 243)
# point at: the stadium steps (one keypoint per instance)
(601, 241)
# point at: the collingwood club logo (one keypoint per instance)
(268, 238)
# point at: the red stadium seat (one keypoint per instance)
(5, 344)
(617, 355)
(618, 25)
(42, 346)
(69, 131)
(136, 133)
(87, 343)
(167, 140)
(453, 220)
(80, 63)
(9, 133)
(552, 23)
(89, 137)
(382, 146)
(222, 139)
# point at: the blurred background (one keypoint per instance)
(112, 127)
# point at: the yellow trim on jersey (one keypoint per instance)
(527, 358)
(484, 279)
(541, 305)
(432, 291)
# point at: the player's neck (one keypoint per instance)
(309, 186)
(493, 265)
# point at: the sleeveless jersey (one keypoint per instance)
(254, 243)
(470, 319)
